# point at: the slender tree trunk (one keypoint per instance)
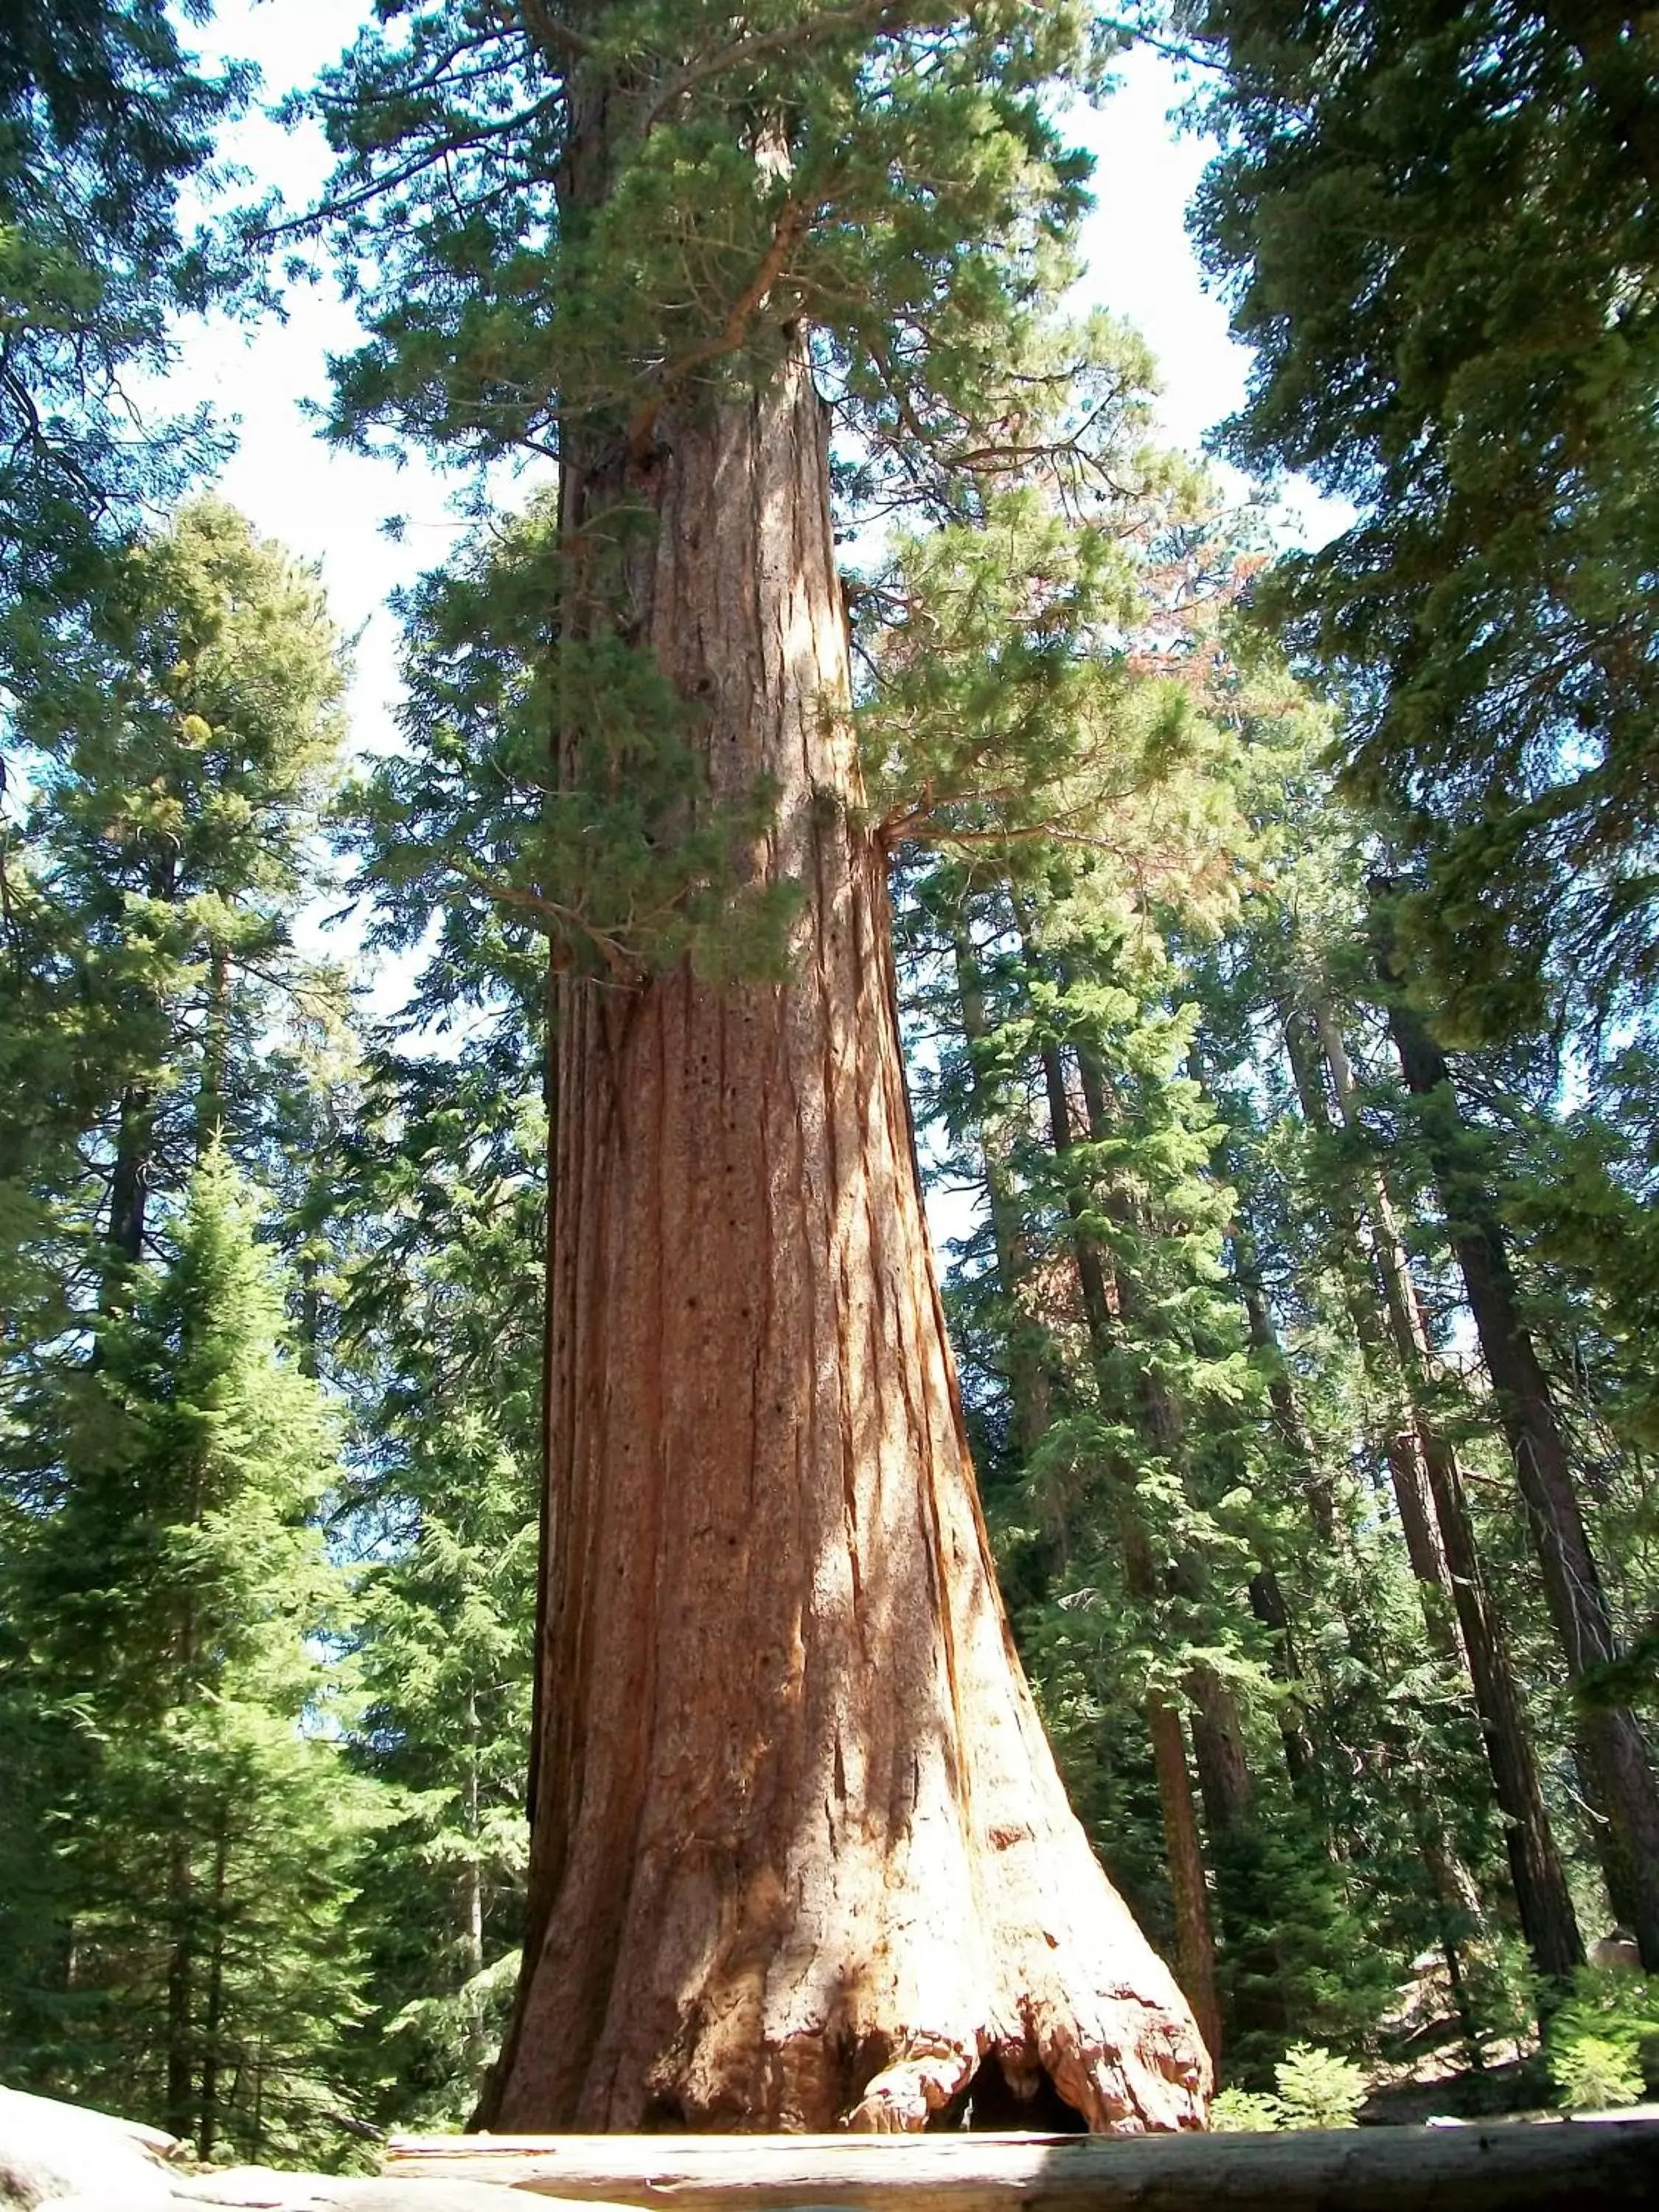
(800, 1851)
(472, 1891)
(1540, 1882)
(180, 2111)
(472, 1872)
(1029, 1381)
(135, 1128)
(1183, 1847)
(215, 1051)
(1265, 1591)
(1449, 1880)
(129, 1185)
(214, 2008)
(1224, 1781)
(1454, 1895)
(1266, 1598)
(1403, 1446)
(1623, 1778)
(1314, 1483)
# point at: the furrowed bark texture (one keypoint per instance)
(801, 1854)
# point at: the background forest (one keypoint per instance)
(1278, 953)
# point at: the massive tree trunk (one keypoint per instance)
(799, 1850)
(1622, 1777)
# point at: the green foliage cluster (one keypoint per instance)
(1604, 2043)
(180, 731)
(1317, 2089)
(892, 176)
(184, 1944)
(554, 786)
(1437, 226)
(105, 118)
(1596, 2073)
(263, 1673)
(1019, 694)
(439, 1196)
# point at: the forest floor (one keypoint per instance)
(1430, 2072)
(1509, 2088)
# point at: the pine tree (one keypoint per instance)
(439, 1188)
(1620, 1771)
(1123, 1428)
(168, 1597)
(1328, 1204)
(183, 735)
(1430, 1476)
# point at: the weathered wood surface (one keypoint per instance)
(1472, 2169)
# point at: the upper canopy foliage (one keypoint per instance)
(558, 228)
(548, 222)
(1439, 228)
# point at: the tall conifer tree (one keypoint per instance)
(636, 237)
(183, 737)
(167, 1596)
(1439, 226)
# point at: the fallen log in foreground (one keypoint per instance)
(1461, 2169)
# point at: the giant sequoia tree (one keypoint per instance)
(800, 1849)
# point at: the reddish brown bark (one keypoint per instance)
(1184, 1849)
(799, 1853)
